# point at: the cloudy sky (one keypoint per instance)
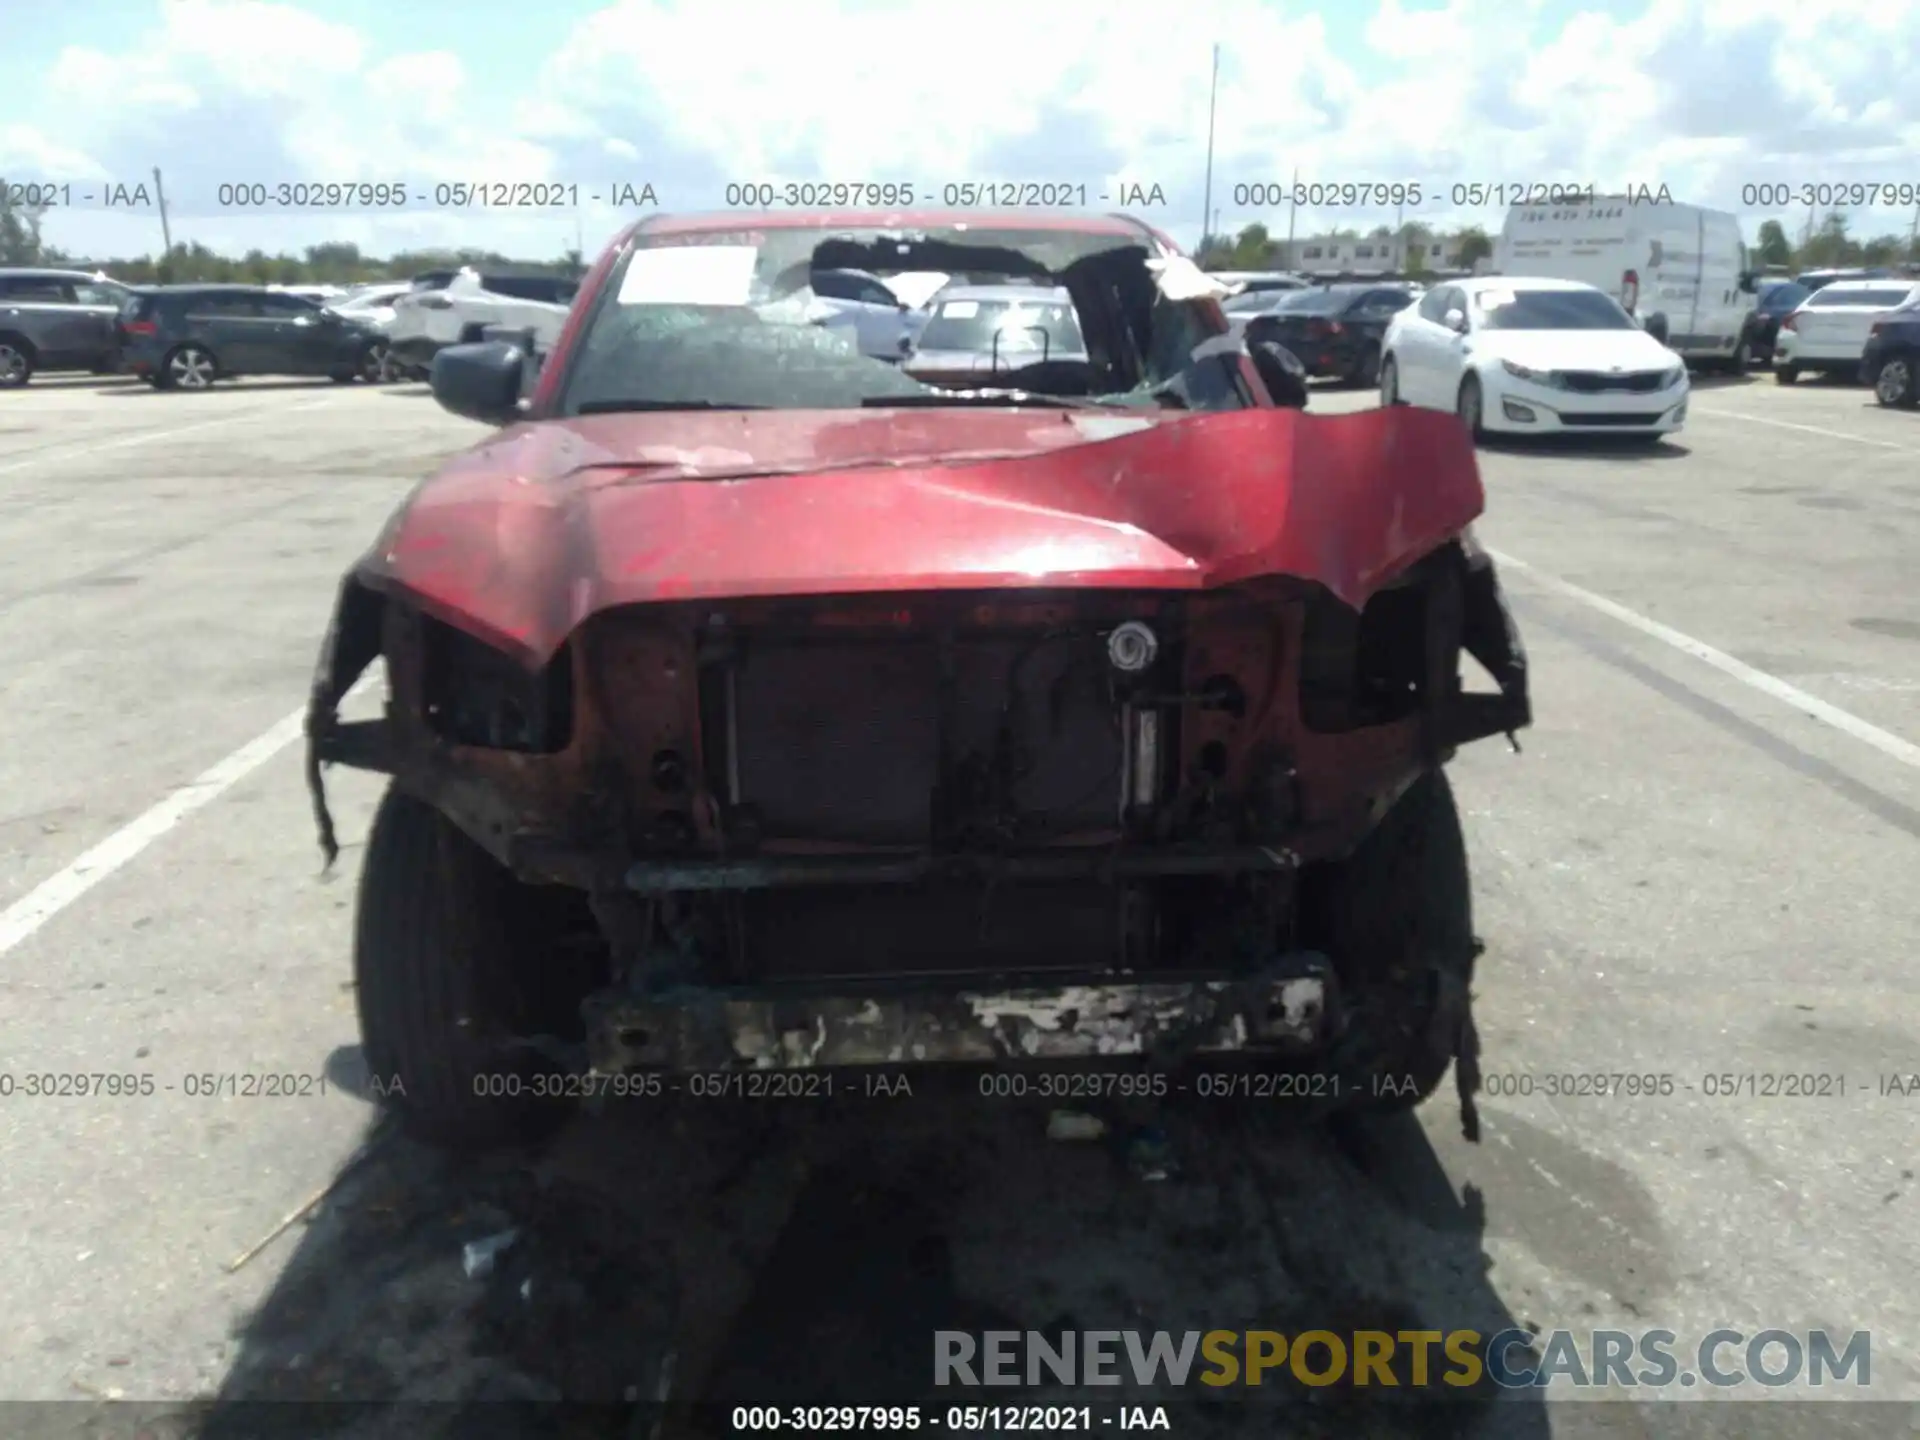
(1706, 97)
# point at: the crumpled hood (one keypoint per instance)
(526, 536)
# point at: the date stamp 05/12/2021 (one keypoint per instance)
(1236, 1083)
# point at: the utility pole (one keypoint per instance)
(1913, 238)
(1292, 215)
(1213, 100)
(166, 235)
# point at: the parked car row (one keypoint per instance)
(190, 336)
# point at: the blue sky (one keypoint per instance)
(1708, 97)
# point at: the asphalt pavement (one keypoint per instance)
(1701, 866)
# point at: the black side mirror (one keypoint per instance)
(1281, 372)
(480, 381)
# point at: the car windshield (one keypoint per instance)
(729, 319)
(1782, 298)
(982, 325)
(1312, 302)
(1550, 310)
(1879, 298)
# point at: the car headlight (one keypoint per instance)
(1522, 372)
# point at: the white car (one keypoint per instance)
(429, 317)
(870, 314)
(1829, 329)
(371, 303)
(1532, 357)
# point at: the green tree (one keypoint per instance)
(1417, 249)
(1884, 250)
(1773, 247)
(1830, 244)
(1252, 249)
(20, 242)
(1472, 245)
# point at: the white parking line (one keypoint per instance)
(54, 894)
(122, 441)
(1803, 429)
(1884, 741)
(47, 899)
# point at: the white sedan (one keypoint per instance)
(1521, 356)
(1829, 330)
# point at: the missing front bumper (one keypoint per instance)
(1288, 1007)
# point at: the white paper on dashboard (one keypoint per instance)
(689, 275)
(960, 310)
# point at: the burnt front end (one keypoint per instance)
(942, 827)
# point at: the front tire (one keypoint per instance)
(16, 362)
(1397, 918)
(1468, 405)
(1390, 382)
(1786, 374)
(1897, 386)
(1366, 371)
(442, 968)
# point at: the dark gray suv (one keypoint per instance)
(57, 320)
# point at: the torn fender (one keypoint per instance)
(523, 539)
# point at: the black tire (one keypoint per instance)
(1786, 374)
(1390, 382)
(1742, 360)
(1896, 384)
(442, 964)
(17, 359)
(1469, 410)
(185, 361)
(373, 363)
(1366, 371)
(1397, 918)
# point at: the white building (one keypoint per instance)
(1384, 254)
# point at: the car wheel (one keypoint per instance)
(446, 942)
(16, 362)
(1743, 358)
(373, 362)
(1390, 381)
(1367, 370)
(1895, 385)
(1786, 374)
(1468, 407)
(190, 368)
(1397, 919)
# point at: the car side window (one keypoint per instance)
(38, 290)
(1433, 305)
(225, 307)
(830, 285)
(285, 307)
(1382, 303)
(91, 294)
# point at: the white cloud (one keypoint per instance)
(1704, 96)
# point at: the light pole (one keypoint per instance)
(1213, 100)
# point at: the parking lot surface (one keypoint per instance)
(1690, 871)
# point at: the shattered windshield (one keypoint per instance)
(737, 319)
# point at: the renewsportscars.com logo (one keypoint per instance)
(1818, 1360)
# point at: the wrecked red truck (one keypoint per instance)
(752, 705)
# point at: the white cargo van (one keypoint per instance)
(1680, 270)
